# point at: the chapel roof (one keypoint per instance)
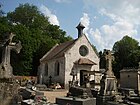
(58, 50)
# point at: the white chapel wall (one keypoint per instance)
(51, 71)
(73, 55)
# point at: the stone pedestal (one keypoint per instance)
(8, 92)
(6, 71)
(75, 101)
(80, 92)
(108, 86)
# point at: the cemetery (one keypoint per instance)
(80, 75)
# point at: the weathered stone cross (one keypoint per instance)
(6, 70)
(109, 58)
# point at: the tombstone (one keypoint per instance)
(6, 70)
(108, 81)
(40, 75)
(8, 86)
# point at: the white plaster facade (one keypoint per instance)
(73, 55)
(67, 56)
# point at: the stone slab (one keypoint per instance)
(115, 103)
(80, 92)
(26, 93)
(75, 101)
(102, 100)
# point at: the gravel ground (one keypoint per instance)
(51, 95)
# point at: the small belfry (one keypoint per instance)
(80, 28)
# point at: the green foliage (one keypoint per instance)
(4, 27)
(36, 34)
(94, 48)
(102, 62)
(127, 54)
(1, 12)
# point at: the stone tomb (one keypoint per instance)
(77, 96)
(80, 92)
(133, 75)
(75, 101)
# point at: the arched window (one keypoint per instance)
(46, 69)
(57, 68)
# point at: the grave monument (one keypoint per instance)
(108, 82)
(8, 86)
(6, 70)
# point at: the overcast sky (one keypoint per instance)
(106, 21)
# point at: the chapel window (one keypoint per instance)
(83, 50)
(57, 68)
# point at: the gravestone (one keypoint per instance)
(80, 92)
(8, 86)
(40, 75)
(108, 81)
(6, 70)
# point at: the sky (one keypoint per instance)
(106, 21)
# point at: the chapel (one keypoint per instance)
(76, 57)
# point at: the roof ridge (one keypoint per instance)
(56, 51)
(49, 52)
(64, 47)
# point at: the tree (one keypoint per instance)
(102, 63)
(36, 34)
(1, 12)
(94, 48)
(126, 53)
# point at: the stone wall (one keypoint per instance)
(51, 71)
(129, 79)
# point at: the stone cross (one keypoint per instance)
(109, 58)
(6, 70)
(108, 81)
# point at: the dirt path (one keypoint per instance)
(51, 95)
